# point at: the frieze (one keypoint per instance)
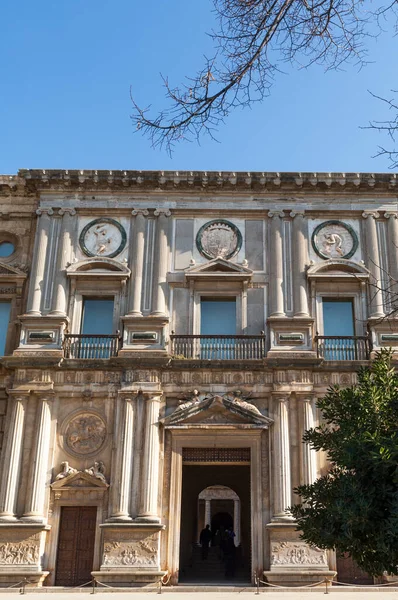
(8, 290)
(292, 554)
(136, 551)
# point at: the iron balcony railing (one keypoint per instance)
(343, 347)
(218, 347)
(91, 346)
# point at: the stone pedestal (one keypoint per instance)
(131, 554)
(293, 562)
(42, 335)
(21, 551)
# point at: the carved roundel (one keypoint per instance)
(334, 239)
(103, 237)
(84, 434)
(219, 238)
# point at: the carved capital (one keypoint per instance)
(44, 211)
(67, 211)
(297, 213)
(370, 213)
(276, 213)
(140, 211)
(394, 215)
(165, 212)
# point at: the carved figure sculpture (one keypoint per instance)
(103, 238)
(85, 433)
(194, 400)
(333, 244)
(66, 470)
(97, 470)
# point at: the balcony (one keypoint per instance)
(218, 347)
(343, 347)
(91, 346)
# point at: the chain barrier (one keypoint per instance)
(257, 582)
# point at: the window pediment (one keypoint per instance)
(338, 269)
(98, 267)
(219, 268)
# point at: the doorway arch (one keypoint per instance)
(223, 501)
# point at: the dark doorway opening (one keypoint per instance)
(226, 562)
(75, 545)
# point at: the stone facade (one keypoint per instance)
(114, 422)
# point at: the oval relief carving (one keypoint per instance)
(334, 239)
(219, 238)
(85, 434)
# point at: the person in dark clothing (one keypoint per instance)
(230, 554)
(205, 539)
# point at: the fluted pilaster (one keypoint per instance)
(160, 263)
(60, 299)
(12, 460)
(300, 262)
(392, 237)
(309, 454)
(276, 265)
(372, 251)
(150, 470)
(282, 474)
(39, 261)
(35, 497)
(137, 261)
(121, 482)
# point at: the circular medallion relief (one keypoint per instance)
(219, 238)
(85, 434)
(334, 239)
(103, 237)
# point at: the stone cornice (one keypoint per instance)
(55, 179)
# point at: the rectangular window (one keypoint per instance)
(5, 309)
(338, 330)
(96, 339)
(217, 328)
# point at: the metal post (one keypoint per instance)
(93, 584)
(257, 583)
(160, 586)
(326, 585)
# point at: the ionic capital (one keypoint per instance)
(297, 213)
(140, 211)
(393, 215)
(165, 212)
(370, 213)
(44, 211)
(276, 213)
(67, 211)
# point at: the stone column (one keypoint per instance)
(121, 481)
(276, 265)
(161, 260)
(372, 250)
(39, 261)
(59, 304)
(392, 237)
(12, 459)
(237, 521)
(282, 476)
(150, 470)
(300, 262)
(309, 454)
(207, 512)
(137, 261)
(34, 504)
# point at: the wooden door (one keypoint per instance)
(75, 545)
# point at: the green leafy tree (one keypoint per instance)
(354, 507)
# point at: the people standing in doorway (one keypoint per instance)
(205, 540)
(230, 553)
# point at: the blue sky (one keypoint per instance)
(67, 68)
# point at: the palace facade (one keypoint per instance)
(165, 337)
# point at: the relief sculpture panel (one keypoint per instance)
(296, 554)
(134, 549)
(84, 434)
(24, 552)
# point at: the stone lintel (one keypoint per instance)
(133, 525)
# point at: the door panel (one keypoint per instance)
(75, 545)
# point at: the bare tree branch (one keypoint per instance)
(253, 39)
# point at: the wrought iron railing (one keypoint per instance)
(343, 347)
(91, 346)
(218, 347)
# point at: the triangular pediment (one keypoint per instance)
(218, 267)
(79, 480)
(217, 411)
(7, 271)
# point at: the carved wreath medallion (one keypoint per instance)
(334, 239)
(219, 238)
(85, 434)
(103, 237)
